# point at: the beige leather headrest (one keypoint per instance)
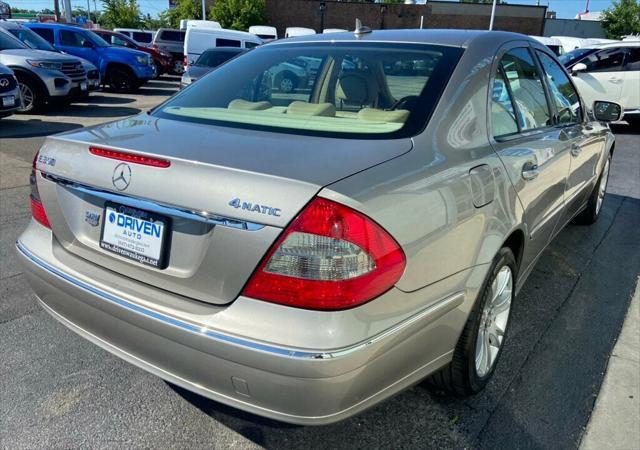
(311, 109)
(379, 115)
(248, 106)
(352, 89)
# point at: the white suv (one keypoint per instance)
(609, 72)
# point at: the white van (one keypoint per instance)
(142, 37)
(298, 31)
(264, 32)
(554, 44)
(187, 23)
(570, 43)
(333, 30)
(197, 40)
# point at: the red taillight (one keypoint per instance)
(37, 209)
(330, 257)
(185, 62)
(130, 157)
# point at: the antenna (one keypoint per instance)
(361, 30)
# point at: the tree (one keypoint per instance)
(622, 18)
(184, 9)
(120, 14)
(153, 23)
(238, 14)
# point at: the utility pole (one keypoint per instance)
(204, 10)
(56, 9)
(67, 11)
(88, 11)
(493, 14)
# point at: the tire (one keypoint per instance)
(469, 371)
(122, 80)
(33, 97)
(594, 205)
(287, 82)
(156, 70)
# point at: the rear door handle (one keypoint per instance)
(530, 171)
(575, 150)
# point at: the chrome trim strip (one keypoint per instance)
(437, 310)
(160, 208)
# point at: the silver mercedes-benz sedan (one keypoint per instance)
(303, 255)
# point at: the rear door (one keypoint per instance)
(532, 149)
(585, 145)
(604, 77)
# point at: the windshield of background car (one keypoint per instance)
(32, 39)
(574, 55)
(329, 89)
(9, 42)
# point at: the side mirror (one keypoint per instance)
(607, 111)
(580, 67)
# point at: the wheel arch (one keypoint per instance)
(18, 70)
(515, 242)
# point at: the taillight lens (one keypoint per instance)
(37, 209)
(185, 62)
(330, 257)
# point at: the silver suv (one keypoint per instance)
(42, 76)
(9, 92)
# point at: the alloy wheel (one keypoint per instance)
(286, 85)
(28, 97)
(493, 322)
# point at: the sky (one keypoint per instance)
(566, 9)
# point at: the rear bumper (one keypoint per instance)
(302, 386)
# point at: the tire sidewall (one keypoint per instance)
(503, 258)
(37, 94)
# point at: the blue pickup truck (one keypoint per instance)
(123, 69)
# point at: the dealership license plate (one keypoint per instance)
(8, 100)
(135, 234)
(83, 86)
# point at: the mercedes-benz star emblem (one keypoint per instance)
(121, 176)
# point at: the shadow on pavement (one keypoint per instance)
(159, 92)
(106, 100)
(564, 324)
(624, 128)
(33, 128)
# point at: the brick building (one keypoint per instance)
(319, 14)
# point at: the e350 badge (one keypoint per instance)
(255, 207)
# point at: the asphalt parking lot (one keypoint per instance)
(58, 390)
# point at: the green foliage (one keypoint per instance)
(153, 23)
(120, 14)
(238, 14)
(185, 9)
(622, 18)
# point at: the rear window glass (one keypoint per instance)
(337, 89)
(142, 37)
(172, 35)
(212, 58)
(221, 42)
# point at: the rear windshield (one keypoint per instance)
(328, 89)
(213, 58)
(142, 37)
(172, 35)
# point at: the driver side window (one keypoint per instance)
(564, 94)
(71, 38)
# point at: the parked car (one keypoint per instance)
(143, 38)
(198, 40)
(123, 69)
(34, 41)
(298, 31)
(172, 42)
(609, 72)
(570, 43)
(43, 77)
(264, 32)
(553, 43)
(9, 92)
(304, 258)
(162, 61)
(208, 60)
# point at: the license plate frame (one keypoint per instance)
(131, 253)
(8, 100)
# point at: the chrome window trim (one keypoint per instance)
(436, 310)
(160, 208)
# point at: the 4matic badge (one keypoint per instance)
(255, 207)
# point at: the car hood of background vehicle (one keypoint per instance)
(317, 160)
(197, 72)
(123, 52)
(40, 55)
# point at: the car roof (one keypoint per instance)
(55, 25)
(616, 44)
(450, 37)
